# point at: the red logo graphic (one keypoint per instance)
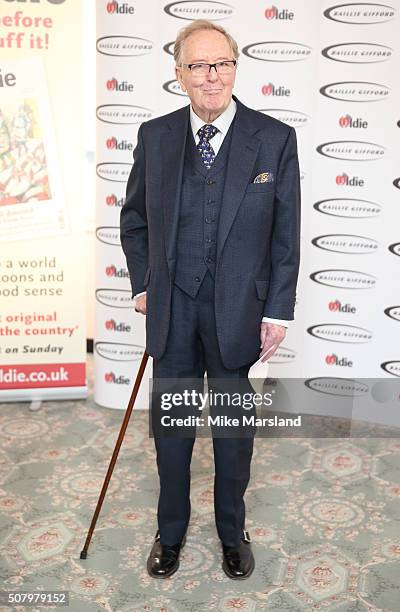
(271, 12)
(111, 270)
(342, 179)
(110, 324)
(112, 7)
(111, 84)
(345, 121)
(111, 200)
(111, 143)
(334, 305)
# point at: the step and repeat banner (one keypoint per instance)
(42, 267)
(329, 70)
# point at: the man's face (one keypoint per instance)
(209, 94)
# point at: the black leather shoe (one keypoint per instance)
(238, 561)
(163, 560)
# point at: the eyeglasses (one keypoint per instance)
(225, 67)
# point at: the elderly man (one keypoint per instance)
(210, 230)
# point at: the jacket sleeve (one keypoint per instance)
(133, 220)
(285, 240)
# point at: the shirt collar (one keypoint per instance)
(222, 122)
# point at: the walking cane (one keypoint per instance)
(115, 454)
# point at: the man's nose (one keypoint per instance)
(212, 75)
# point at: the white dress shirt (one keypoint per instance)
(223, 123)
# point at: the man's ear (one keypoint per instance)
(178, 72)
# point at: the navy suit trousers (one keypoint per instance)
(192, 349)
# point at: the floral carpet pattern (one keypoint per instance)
(323, 515)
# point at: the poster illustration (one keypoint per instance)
(31, 200)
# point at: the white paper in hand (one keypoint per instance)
(257, 374)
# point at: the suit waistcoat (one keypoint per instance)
(200, 206)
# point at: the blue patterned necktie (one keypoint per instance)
(206, 132)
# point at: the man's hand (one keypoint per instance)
(271, 336)
(141, 304)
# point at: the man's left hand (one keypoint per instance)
(271, 335)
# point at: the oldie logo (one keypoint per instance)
(337, 306)
(108, 235)
(358, 53)
(348, 207)
(292, 117)
(333, 359)
(119, 8)
(345, 179)
(124, 46)
(391, 367)
(278, 51)
(115, 85)
(336, 332)
(352, 150)
(114, 272)
(273, 90)
(112, 200)
(355, 91)
(123, 114)
(347, 121)
(110, 377)
(117, 326)
(273, 12)
(118, 351)
(200, 9)
(360, 13)
(344, 279)
(116, 172)
(346, 387)
(346, 243)
(115, 298)
(173, 87)
(120, 145)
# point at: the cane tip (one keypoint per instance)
(83, 554)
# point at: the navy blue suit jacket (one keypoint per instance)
(258, 242)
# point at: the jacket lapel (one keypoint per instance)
(172, 148)
(242, 157)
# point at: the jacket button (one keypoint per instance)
(197, 279)
(210, 182)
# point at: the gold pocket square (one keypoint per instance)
(264, 177)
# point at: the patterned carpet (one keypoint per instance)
(323, 514)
